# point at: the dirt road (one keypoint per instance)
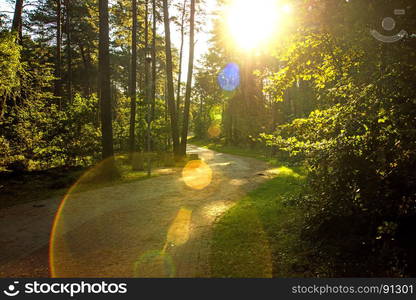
(158, 227)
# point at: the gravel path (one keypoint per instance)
(158, 227)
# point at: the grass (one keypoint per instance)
(36, 185)
(41, 185)
(260, 235)
(254, 153)
(126, 175)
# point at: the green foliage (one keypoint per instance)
(37, 135)
(34, 133)
(260, 235)
(359, 147)
(78, 135)
(10, 67)
(39, 130)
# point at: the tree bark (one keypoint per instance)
(169, 77)
(87, 68)
(17, 19)
(154, 58)
(68, 48)
(147, 86)
(189, 80)
(178, 91)
(133, 88)
(58, 73)
(104, 81)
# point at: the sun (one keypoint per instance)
(252, 24)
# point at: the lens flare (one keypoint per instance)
(64, 240)
(197, 174)
(98, 230)
(214, 131)
(229, 77)
(178, 232)
(154, 264)
(159, 263)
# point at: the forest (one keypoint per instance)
(320, 93)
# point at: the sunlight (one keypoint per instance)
(217, 208)
(154, 264)
(253, 24)
(287, 8)
(159, 263)
(284, 171)
(178, 232)
(197, 174)
(238, 182)
(214, 131)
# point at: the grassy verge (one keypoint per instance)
(260, 235)
(40, 185)
(127, 175)
(254, 153)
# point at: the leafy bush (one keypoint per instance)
(34, 133)
(39, 136)
(360, 150)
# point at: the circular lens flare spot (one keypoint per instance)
(214, 131)
(197, 174)
(229, 77)
(154, 264)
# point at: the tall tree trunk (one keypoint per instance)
(146, 55)
(68, 48)
(147, 86)
(17, 19)
(189, 80)
(169, 77)
(154, 58)
(165, 102)
(178, 91)
(58, 73)
(133, 88)
(291, 102)
(87, 68)
(104, 81)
